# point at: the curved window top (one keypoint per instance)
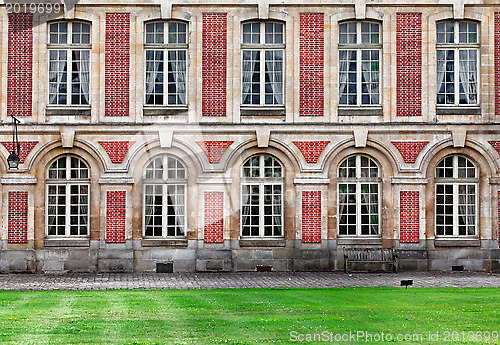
(68, 168)
(456, 167)
(69, 33)
(359, 33)
(170, 32)
(461, 32)
(165, 168)
(262, 166)
(358, 166)
(263, 33)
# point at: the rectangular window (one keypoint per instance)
(69, 64)
(359, 67)
(68, 209)
(456, 209)
(165, 210)
(166, 63)
(262, 64)
(457, 63)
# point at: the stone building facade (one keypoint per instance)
(227, 135)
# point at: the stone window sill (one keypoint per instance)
(262, 111)
(67, 111)
(457, 242)
(360, 111)
(162, 111)
(458, 110)
(67, 242)
(359, 241)
(264, 242)
(163, 242)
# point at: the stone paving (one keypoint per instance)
(104, 281)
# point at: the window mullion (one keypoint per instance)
(455, 210)
(457, 76)
(165, 75)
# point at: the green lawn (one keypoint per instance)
(247, 316)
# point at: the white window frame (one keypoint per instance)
(165, 47)
(69, 48)
(262, 47)
(358, 180)
(165, 182)
(457, 47)
(359, 47)
(68, 182)
(456, 182)
(261, 182)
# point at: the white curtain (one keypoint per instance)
(83, 74)
(464, 75)
(181, 79)
(343, 75)
(274, 75)
(153, 60)
(441, 73)
(249, 70)
(57, 69)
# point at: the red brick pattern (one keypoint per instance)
(311, 216)
(409, 149)
(409, 216)
(25, 148)
(214, 62)
(116, 149)
(497, 63)
(311, 149)
(214, 217)
(214, 149)
(409, 64)
(115, 216)
(311, 64)
(20, 64)
(18, 217)
(117, 64)
(496, 145)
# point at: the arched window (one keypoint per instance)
(360, 47)
(68, 186)
(262, 197)
(166, 51)
(359, 197)
(165, 184)
(263, 50)
(456, 197)
(69, 63)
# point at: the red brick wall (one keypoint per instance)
(20, 64)
(311, 64)
(409, 216)
(116, 149)
(496, 145)
(409, 149)
(214, 149)
(311, 216)
(115, 216)
(18, 217)
(498, 216)
(117, 64)
(311, 149)
(214, 217)
(25, 148)
(497, 63)
(214, 61)
(409, 64)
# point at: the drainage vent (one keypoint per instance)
(164, 267)
(457, 268)
(264, 268)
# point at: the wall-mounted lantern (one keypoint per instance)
(13, 159)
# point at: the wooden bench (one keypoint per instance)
(370, 255)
